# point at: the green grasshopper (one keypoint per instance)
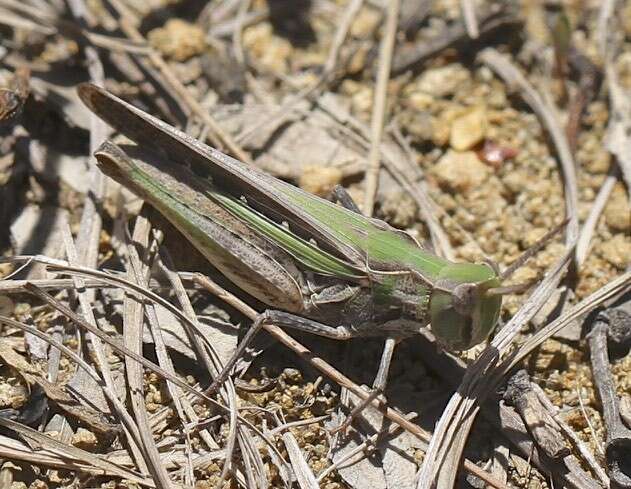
(320, 267)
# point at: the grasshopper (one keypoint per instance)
(320, 267)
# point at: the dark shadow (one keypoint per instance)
(188, 10)
(290, 19)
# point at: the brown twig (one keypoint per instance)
(570, 434)
(615, 325)
(540, 424)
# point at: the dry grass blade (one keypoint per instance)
(302, 471)
(313, 89)
(618, 133)
(228, 396)
(54, 453)
(614, 288)
(589, 226)
(114, 280)
(183, 408)
(618, 139)
(81, 381)
(17, 286)
(470, 19)
(131, 287)
(116, 346)
(603, 29)
(133, 323)
(90, 417)
(379, 106)
(212, 362)
(128, 422)
(415, 54)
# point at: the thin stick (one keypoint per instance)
(356, 410)
(470, 19)
(533, 250)
(123, 350)
(333, 373)
(379, 106)
(579, 444)
(221, 137)
(133, 324)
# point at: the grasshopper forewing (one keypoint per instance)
(320, 267)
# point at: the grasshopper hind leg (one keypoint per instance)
(284, 320)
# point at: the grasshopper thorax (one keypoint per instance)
(461, 313)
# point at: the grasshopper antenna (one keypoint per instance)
(525, 256)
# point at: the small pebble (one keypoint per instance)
(365, 23)
(617, 211)
(469, 129)
(84, 439)
(551, 356)
(460, 171)
(271, 51)
(617, 251)
(292, 375)
(443, 81)
(399, 209)
(319, 180)
(178, 39)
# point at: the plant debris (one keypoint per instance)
(475, 127)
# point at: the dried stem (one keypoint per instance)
(379, 107)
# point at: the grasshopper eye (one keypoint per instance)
(461, 314)
(464, 296)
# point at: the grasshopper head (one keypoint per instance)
(461, 313)
(466, 299)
